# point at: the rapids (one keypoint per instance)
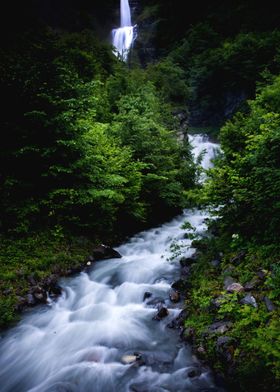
(78, 342)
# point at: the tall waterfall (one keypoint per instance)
(123, 37)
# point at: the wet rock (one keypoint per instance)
(90, 259)
(180, 285)
(174, 295)
(194, 371)
(147, 295)
(179, 321)
(220, 327)
(187, 335)
(235, 288)
(269, 305)
(249, 300)
(161, 313)
(39, 294)
(238, 258)
(103, 252)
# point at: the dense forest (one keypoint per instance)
(94, 149)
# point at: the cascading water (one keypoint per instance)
(123, 37)
(78, 343)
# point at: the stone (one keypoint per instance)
(103, 252)
(30, 301)
(235, 288)
(269, 305)
(220, 327)
(129, 359)
(249, 300)
(180, 285)
(174, 295)
(147, 295)
(216, 302)
(179, 321)
(225, 347)
(162, 313)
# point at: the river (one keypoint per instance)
(85, 339)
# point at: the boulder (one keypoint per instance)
(174, 295)
(235, 288)
(103, 252)
(252, 284)
(194, 371)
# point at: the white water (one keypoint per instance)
(123, 37)
(77, 343)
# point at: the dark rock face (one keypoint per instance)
(225, 347)
(103, 252)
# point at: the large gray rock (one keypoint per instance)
(235, 288)
(249, 300)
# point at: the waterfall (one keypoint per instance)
(123, 37)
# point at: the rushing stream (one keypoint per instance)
(78, 343)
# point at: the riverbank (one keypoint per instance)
(31, 267)
(231, 319)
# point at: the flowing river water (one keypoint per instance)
(78, 342)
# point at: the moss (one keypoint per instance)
(35, 257)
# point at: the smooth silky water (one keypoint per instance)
(77, 343)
